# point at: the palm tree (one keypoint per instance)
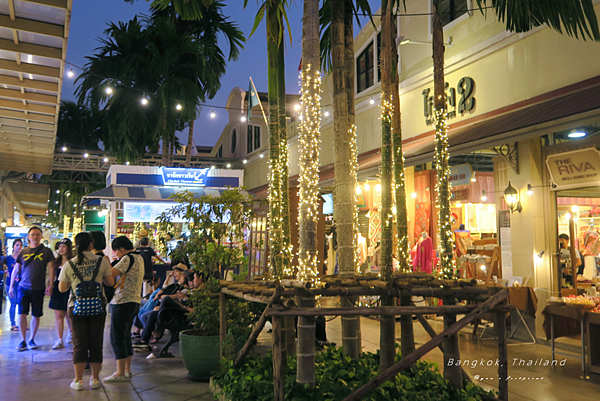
(147, 61)
(79, 126)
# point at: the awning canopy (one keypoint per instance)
(512, 126)
(33, 48)
(29, 198)
(132, 194)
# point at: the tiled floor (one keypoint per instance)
(45, 374)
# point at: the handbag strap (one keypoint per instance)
(122, 279)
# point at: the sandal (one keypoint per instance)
(14, 328)
(156, 338)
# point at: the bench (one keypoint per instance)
(175, 320)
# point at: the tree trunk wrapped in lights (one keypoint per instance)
(442, 156)
(387, 323)
(66, 226)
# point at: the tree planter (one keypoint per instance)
(200, 354)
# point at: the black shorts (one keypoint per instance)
(33, 297)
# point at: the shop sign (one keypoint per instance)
(138, 212)
(466, 102)
(575, 169)
(185, 176)
(460, 175)
(460, 195)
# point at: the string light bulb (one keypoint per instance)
(178, 107)
(378, 187)
(144, 101)
(413, 195)
(212, 114)
(367, 187)
(326, 114)
(358, 190)
(372, 101)
(243, 118)
(108, 90)
(70, 74)
(297, 107)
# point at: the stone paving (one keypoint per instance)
(45, 374)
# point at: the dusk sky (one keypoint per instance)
(89, 19)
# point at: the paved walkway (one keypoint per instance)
(45, 374)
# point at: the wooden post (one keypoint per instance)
(387, 336)
(407, 336)
(289, 328)
(573, 253)
(222, 321)
(500, 324)
(257, 328)
(352, 346)
(452, 372)
(306, 346)
(277, 360)
(389, 373)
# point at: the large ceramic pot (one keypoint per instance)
(200, 354)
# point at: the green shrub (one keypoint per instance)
(336, 377)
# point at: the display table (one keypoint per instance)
(567, 321)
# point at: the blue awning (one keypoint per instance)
(137, 193)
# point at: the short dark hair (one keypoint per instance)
(35, 228)
(564, 236)
(144, 241)
(99, 240)
(121, 242)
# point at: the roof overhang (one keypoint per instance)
(33, 48)
(29, 199)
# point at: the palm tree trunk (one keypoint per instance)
(309, 185)
(406, 322)
(275, 223)
(343, 200)
(188, 149)
(166, 146)
(451, 350)
(387, 323)
(351, 324)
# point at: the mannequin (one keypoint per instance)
(423, 257)
(463, 240)
(591, 249)
(362, 249)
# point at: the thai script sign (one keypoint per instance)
(185, 176)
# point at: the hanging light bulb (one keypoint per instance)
(105, 160)
(326, 114)
(297, 106)
(261, 155)
(358, 190)
(178, 107)
(372, 101)
(144, 101)
(245, 161)
(108, 90)
(70, 74)
(483, 196)
(367, 187)
(64, 149)
(413, 195)
(212, 114)
(86, 155)
(529, 190)
(228, 165)
(378, 187)
(243, 118)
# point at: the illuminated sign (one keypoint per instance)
(460, 175)
(574, 169)
(136, 212)
(184, 176)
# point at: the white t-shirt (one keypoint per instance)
(132, 285)
(87, 271)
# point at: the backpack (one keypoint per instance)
(122, 278)
(88, 294)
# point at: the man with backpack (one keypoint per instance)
(147, 253)
(30, 273)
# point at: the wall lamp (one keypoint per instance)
(511, 196)
(3, 224)
(404, 41)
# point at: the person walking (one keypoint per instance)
(125, 305)
(87, 311)
(10, 261)
(59, 301)
(30, 272)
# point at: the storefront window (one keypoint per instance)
(452, 9)
(364, 69)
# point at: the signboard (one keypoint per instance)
(579, 168)
(184, 176)
(465, 102)
(135, 212)
(460, 175)
(460, 195)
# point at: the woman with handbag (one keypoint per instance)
(84, 275)
(125, 305)
(59, 301)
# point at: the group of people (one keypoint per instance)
(85, 282)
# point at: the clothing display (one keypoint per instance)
(362, 249)
(424, 256)
(463, 240)
(591, 242)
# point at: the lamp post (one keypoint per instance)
(511, 196)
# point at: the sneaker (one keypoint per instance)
(94, 383)
(22, 346)
(135, 335)
(58, 344)
(77, 385)
(32, 344)
(140, 344)
(69, 338)
(115, 379)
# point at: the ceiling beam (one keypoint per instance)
(11, 122)
(31, 26)
(26, 141)
(31, 148)
(50, 3)
(18, 164)
(35, 97)
(7, 132)
(28, 83)
(9, 104)
(28, 116)
(9, 193)
(29, 48)
(30, 69)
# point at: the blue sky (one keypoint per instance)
(89, 19)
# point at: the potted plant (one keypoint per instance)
(217, 228)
